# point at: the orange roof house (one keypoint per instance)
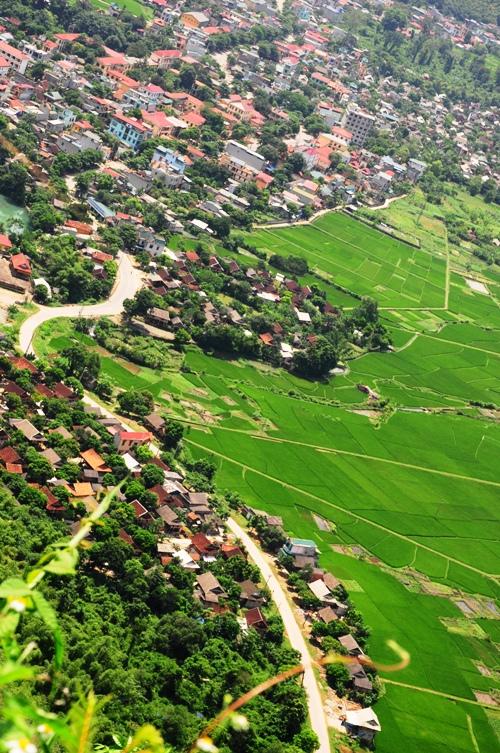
(5, 242)
(20, 266)
(94, 461)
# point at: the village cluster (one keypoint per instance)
(61, 454)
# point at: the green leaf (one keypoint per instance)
(8, 624)
(13, 587)
(62, 562)
(49, 616)
(145, 736)
(11, 672)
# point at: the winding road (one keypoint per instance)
(129, 280)
(294, 633)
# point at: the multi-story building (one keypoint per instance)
(164, 59)
(14, 57)
(194, 19)
(415, 169)
(242, 153)
(149, 241)
(359, 123)
(175, 161)
(130, 131)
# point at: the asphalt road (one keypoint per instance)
(295, 635)
(128, 281)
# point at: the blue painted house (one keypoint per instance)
(177, 162)
(130, 131)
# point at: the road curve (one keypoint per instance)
(128, 281)
(297, 640)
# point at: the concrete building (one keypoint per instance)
(14, 57)
(359, 123)
(415, 169)
(243, 154)
(130, 131)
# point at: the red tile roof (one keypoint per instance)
(135, 435)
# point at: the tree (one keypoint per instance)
(174, 431)
(316, 360)
(39, 469)
(136, 402)
(187, 77)
(13, 180)
(394, 19)
(43, 216)
(152, 475)
(221, 226)
(306, 740)
(41, 294)
(82, 363)
(338, 677)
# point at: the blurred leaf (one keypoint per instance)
(48, 615)
(62, 562)
(147, 736)
(13, 587)
(8, 624)
(12, 672)
(82, 723)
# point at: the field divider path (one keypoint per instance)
(370, 254)
(336, 451)
(490, 576)
(439, 693)
(294, 632)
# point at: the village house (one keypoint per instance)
(209, 591)
(128, 440)
(362, 724)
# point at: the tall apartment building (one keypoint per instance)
(14, 57)
(359, 123)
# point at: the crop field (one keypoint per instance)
(362, 260)
(415, 485)
(434, 368)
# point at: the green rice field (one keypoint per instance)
(363, 260)
(412, 489)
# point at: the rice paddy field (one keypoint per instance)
(412, 491)
(363, 260)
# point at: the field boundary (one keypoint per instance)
(431, 691)
(374, 226)
(489, 576)
(349, 453)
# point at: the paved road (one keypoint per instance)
(297, 640)
(128, 281)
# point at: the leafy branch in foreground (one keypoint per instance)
(25, 727)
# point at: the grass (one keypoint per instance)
(416, 486)
(132, 6)
(422, 220)
(22, 312)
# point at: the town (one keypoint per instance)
(248, 325)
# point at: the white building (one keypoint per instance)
(14, 57)
(359, 123)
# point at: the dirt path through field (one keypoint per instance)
(439, 693)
